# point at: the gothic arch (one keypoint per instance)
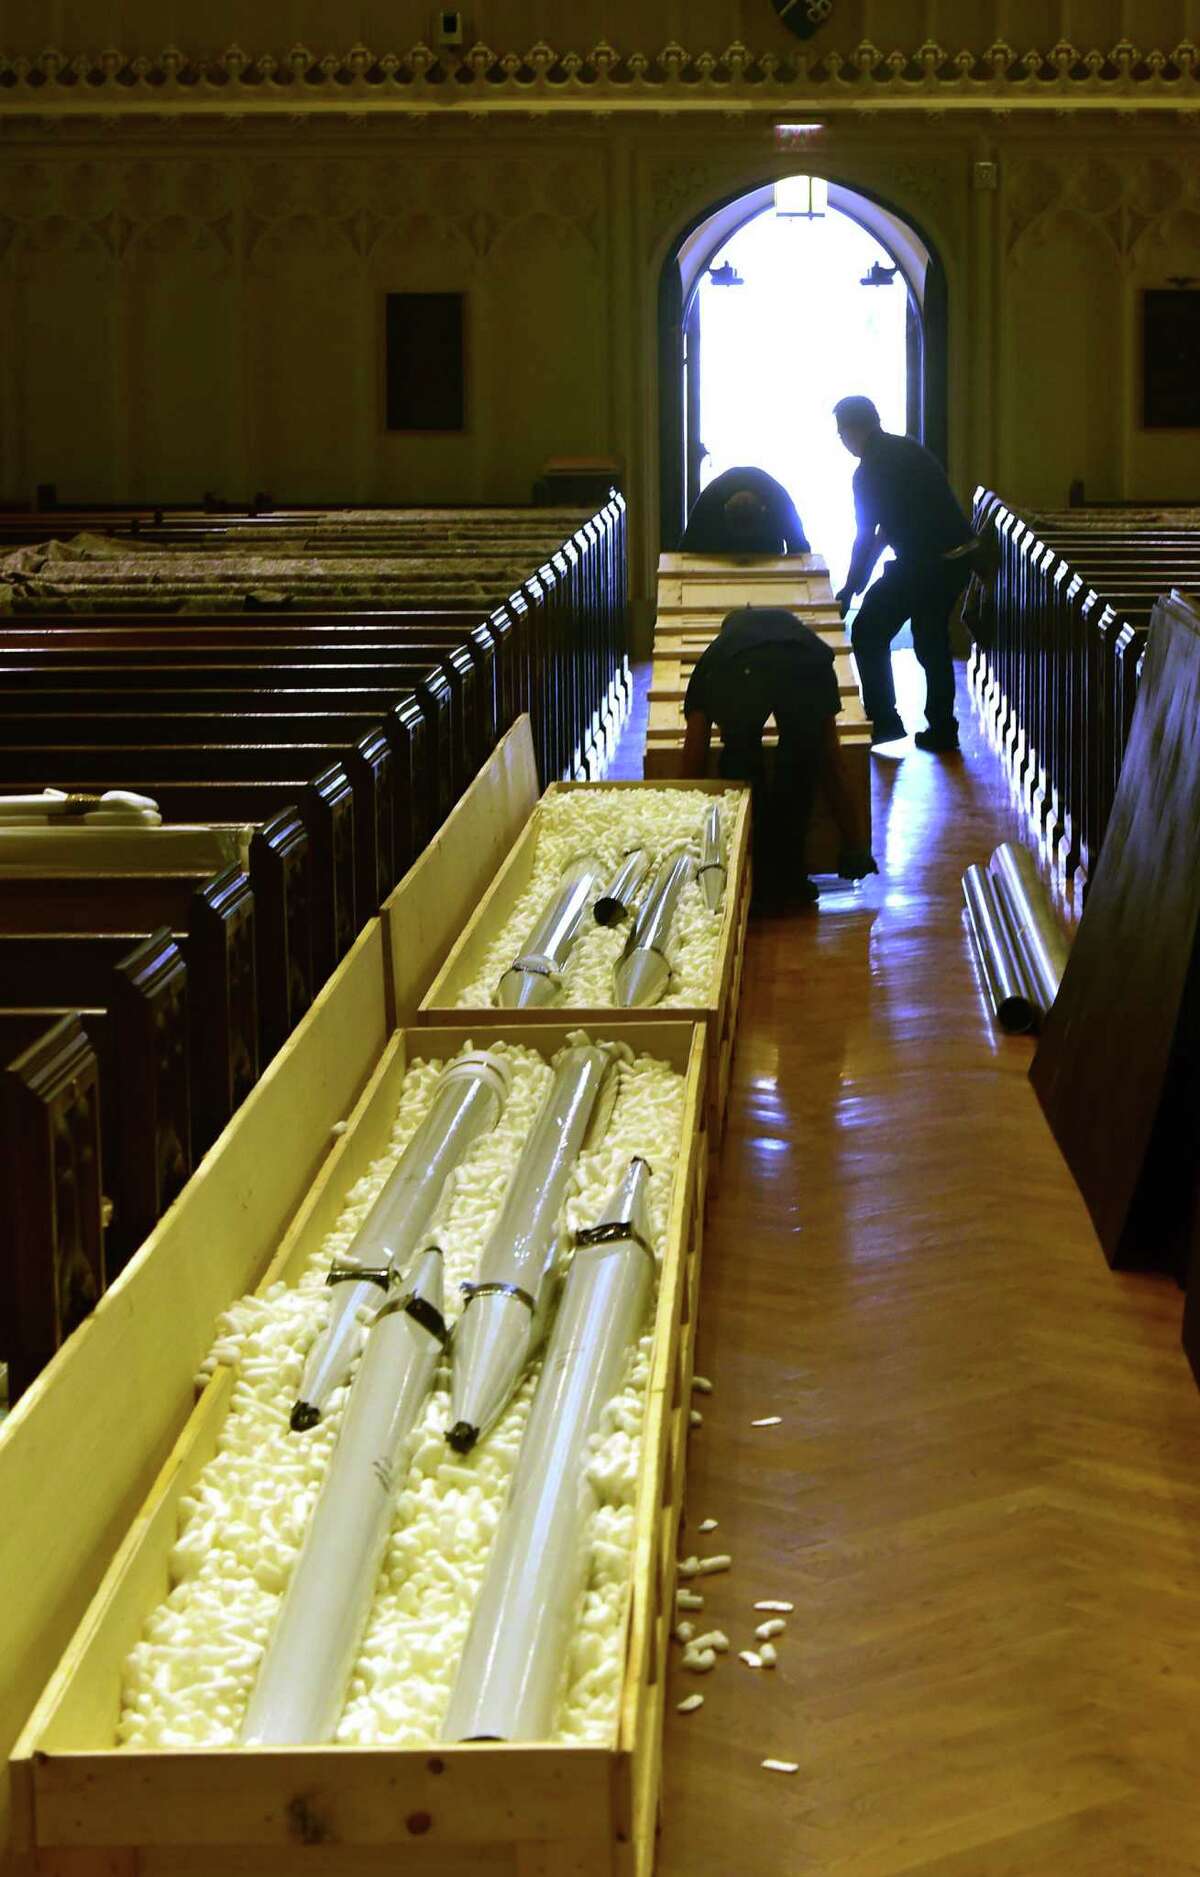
(686, 251)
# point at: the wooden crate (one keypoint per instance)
(718, 1012)
(83, 1445)
(87, 1810)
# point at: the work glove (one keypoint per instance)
(855, 863)
(844, 599)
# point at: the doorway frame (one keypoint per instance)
(929, 333)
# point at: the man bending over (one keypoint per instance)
(765, 662)
(744, 511)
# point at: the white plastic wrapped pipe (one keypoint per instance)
(643, 971)
(535, 975)
(301, 1686)
(616, 901)
(467, 1102)
(114, 808)
(503, 1318)
(510, 1676)
(996, 950)
(711, 872)
(1041, 941)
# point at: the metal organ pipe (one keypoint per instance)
(997, 952)
(301, 1687)
(643, 971)
(467, 1102)
(513, 1663)
(535, 976)
(711, 871)
(503, 1317)
(616, 901)
(1041, 941)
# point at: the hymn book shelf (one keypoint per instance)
(718, 1011)
(580, 1811)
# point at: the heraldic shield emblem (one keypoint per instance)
(803, 17)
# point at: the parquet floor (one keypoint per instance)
(984, 1497)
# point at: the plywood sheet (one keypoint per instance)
(1109, 1060)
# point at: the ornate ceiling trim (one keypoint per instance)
(360, 80)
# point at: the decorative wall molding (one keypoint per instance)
(301, 82)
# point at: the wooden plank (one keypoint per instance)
(1126, 1012)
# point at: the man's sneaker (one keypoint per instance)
(888, 730)
(937, 742)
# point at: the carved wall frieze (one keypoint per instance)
(1129, 204)
(302, 82)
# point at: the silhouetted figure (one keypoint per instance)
(765, 662)
(744, 511)
(902, 500)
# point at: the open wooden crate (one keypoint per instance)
(84, 1809)
(717, 1011)
(84, 1444)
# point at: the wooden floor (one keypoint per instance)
(984, 1498)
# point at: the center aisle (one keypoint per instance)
(984, 1496)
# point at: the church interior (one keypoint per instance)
(601, 1255)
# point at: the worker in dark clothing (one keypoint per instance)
(744, 511)
(765, 662)
(902, 500)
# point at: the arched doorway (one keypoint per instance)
(766, 317)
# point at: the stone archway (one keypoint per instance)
(911, 251)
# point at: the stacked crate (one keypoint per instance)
(695, 593)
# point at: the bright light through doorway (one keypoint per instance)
(778, 352)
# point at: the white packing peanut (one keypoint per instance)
(702, 1385)
(750, 1657)
(781, 1766)
(695, 1417)
(767, 1655)
(690, 1704)
(775, 1603)
(688, 1600)
(699, 1660)
(769, 1420)
(775, 1627)
(715, 1639)
(708, 1525)
(706, 1567)
(685, 1632)
(687, 1567)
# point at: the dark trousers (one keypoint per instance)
(781, 802)
(925, 595)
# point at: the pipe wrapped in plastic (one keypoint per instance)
(616, 901)
(1041, 941)
(711, 872)
(467, 1102)
(513, 1664)
(995, 947)
(535, 975)
(301, 1686)
(503, 1318)
(643, 971)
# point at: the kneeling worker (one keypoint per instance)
(765, 662)
(744, 511)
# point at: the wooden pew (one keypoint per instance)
(41, 965)
(1069, 586)
(52, 1267)
(128, 996)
